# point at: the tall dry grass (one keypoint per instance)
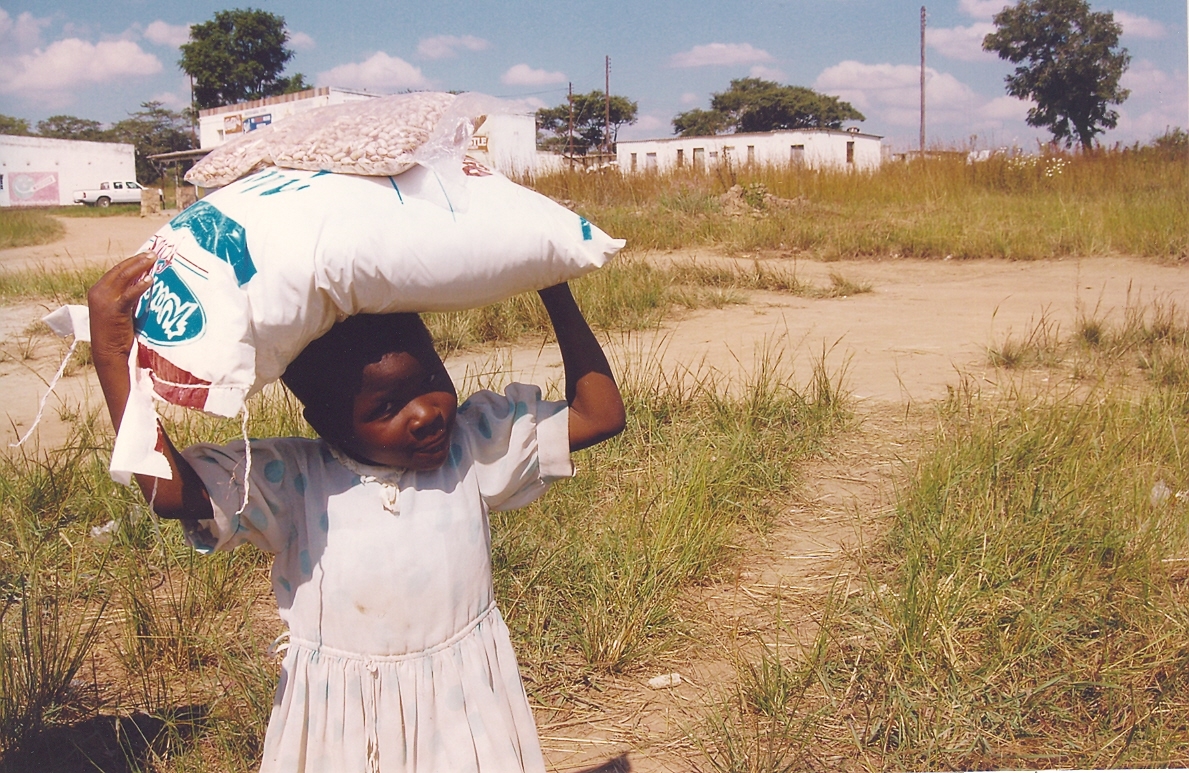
(1128, 202)
(1028, 604)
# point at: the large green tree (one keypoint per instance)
(11, 125)
(1069, 62)
(239, 55)
(153, 129)
(69, 127)
(589, 119)
(756, 105)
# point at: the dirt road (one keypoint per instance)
(88, 241)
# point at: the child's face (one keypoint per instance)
(404, 412)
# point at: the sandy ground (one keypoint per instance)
(88, 241)
(900, 346)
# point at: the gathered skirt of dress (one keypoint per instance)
(458, 706)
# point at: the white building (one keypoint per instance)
(814, 148)
(44, 172)
(507, 142)
(216, 125)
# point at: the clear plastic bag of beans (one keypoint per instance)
(375, 137)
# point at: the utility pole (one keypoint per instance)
(570, 140)
(922, 81)
(607, 109)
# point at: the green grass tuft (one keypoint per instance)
(27, 227)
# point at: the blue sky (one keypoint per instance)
(101, 60)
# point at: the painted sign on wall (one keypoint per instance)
(255, 122)
(33, 188)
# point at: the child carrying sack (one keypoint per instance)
(251, 274)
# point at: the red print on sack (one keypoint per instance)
(472, 168)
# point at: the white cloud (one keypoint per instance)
(720, 54)
(767, 73)
(171, 100)
(165, 34)
(527, 104)
(1005, 108)
(379, 72)
(1146, 80)
(22, 34)
(982, 9)
(1157, 102)
(48, 75)
(690, 98)
(889, 95)
(301, 41)
(444, 46)
(1140, 26)
(523, 75)
(962, 43)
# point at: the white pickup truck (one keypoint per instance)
(111, 192)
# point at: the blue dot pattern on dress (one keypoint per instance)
(306, 567)
(484, 426)
(257, 519)
(324, 521)
(274, 471)
(520, 410)
(284, 584)
(455, 454)
(299, 484)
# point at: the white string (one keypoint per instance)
(153, 496)
(247, 462)
(41, 408)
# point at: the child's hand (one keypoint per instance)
(112, 301)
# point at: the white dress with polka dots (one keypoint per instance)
(398, 658)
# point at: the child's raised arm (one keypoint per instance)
(596, 407)
(112, 302)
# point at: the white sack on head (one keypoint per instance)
(252, 273)
(382, 136)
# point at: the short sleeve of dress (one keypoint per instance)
(520, 443)
(272, 495)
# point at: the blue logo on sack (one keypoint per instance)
(219, 235)
(169, 314)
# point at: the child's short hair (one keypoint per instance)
(328, 373)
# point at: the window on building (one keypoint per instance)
(650, 162)
(1, 182)
(681, 157)
(728, 154)
(751, 154)
(713, 157)
(850, 152)
(797, 154)
(699, 158)
(633, 162)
